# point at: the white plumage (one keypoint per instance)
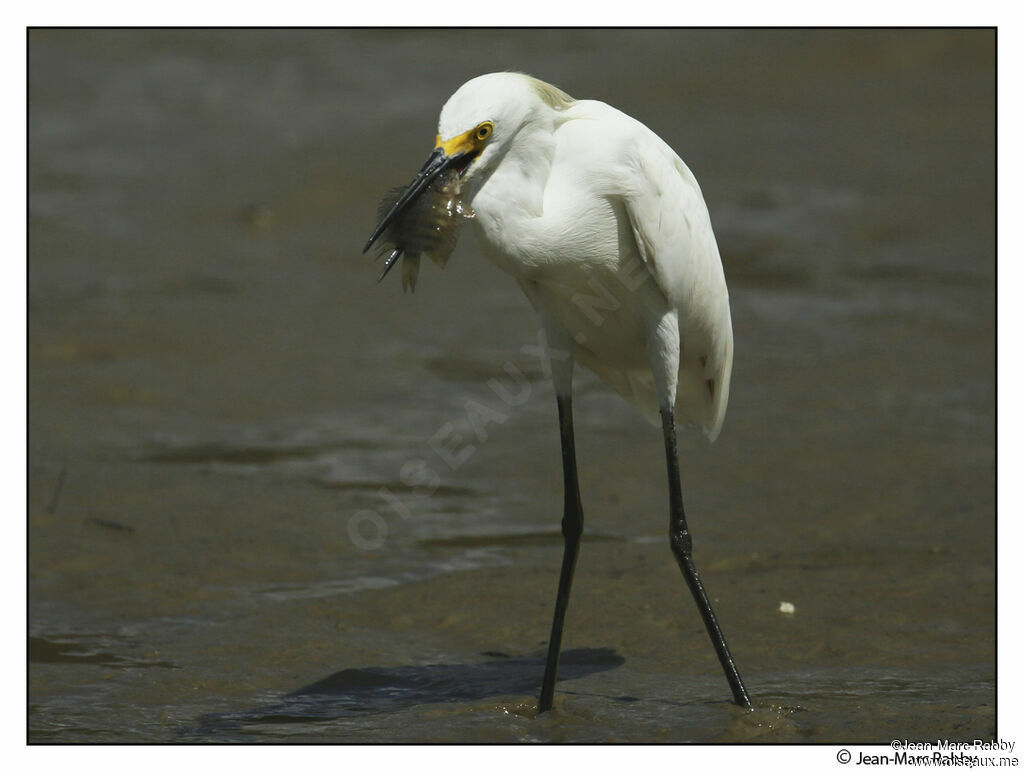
(607, 232)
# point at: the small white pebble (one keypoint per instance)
(786, 607)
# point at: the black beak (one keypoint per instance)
(436, 163)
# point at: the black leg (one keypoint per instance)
(572, 529)
(682, 548)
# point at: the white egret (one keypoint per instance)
(606, 231)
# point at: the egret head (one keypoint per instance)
(477, 126)
(485, 115)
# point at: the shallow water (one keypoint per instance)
(241, 527)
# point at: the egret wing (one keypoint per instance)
(672, 228)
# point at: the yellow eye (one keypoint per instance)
(483, 131)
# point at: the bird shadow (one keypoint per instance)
(361, 691)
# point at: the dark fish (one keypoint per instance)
(428, 226)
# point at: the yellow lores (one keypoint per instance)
(469, 142)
